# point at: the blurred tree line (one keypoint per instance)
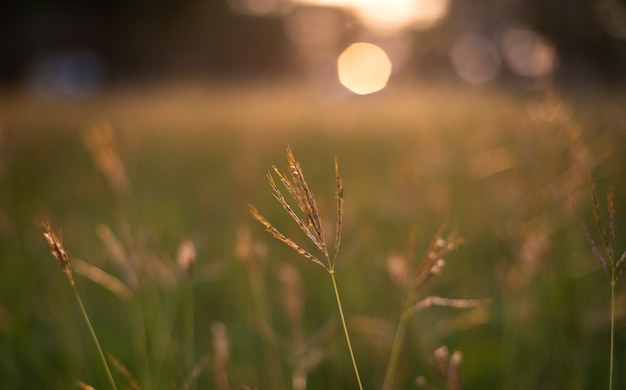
(145, 39)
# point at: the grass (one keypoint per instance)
(56, 246)
(613, 268)
(311, 226)
(501, 170)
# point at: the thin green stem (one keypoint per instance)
(271, 351)
(140, 342)
(345, 328)
(394, 357)
(189, 336)
(93, 334)
(612, 329)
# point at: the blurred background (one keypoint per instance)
(77, 48)
(143, 129)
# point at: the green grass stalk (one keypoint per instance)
(394, 356)
(59, 253)
(345, 328)
(613, 282)
(93, 334)
(311, 226)
(189, 329)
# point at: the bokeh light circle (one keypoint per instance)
(364, 68)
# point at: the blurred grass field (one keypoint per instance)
(500, 167)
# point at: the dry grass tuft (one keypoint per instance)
(100, 141)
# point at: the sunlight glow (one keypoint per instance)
(259, 7)
(391, 15)
(364, 68)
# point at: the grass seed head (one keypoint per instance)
(57, 250)
(186, 257)
(310, 223)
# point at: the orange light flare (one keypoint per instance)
(364, 68)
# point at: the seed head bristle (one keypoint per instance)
(278, 235)
(611, 211)
(339, 210)
(596, 211)
(434, 260)
(57, 250)
(305, 228)
(310, 208)
(590, 240)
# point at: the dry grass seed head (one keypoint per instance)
(612, 268)
(590, 240)
(186, 257)
(599, 222)
(311, 224)
(447, 366)
(340, 203)
(306, 228)
(57, 250)
(434, 260)
(306, 196)
(281, 237)
(100, 141)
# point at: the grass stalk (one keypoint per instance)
(345, 329)
(189, 331)
(613, 281)
(93, 335)
(310, 223)
(59, 253)
(394, 356)
(613, 268)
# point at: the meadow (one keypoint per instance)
(149, 192)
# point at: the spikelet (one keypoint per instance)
(434, 260)
(57, 250)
